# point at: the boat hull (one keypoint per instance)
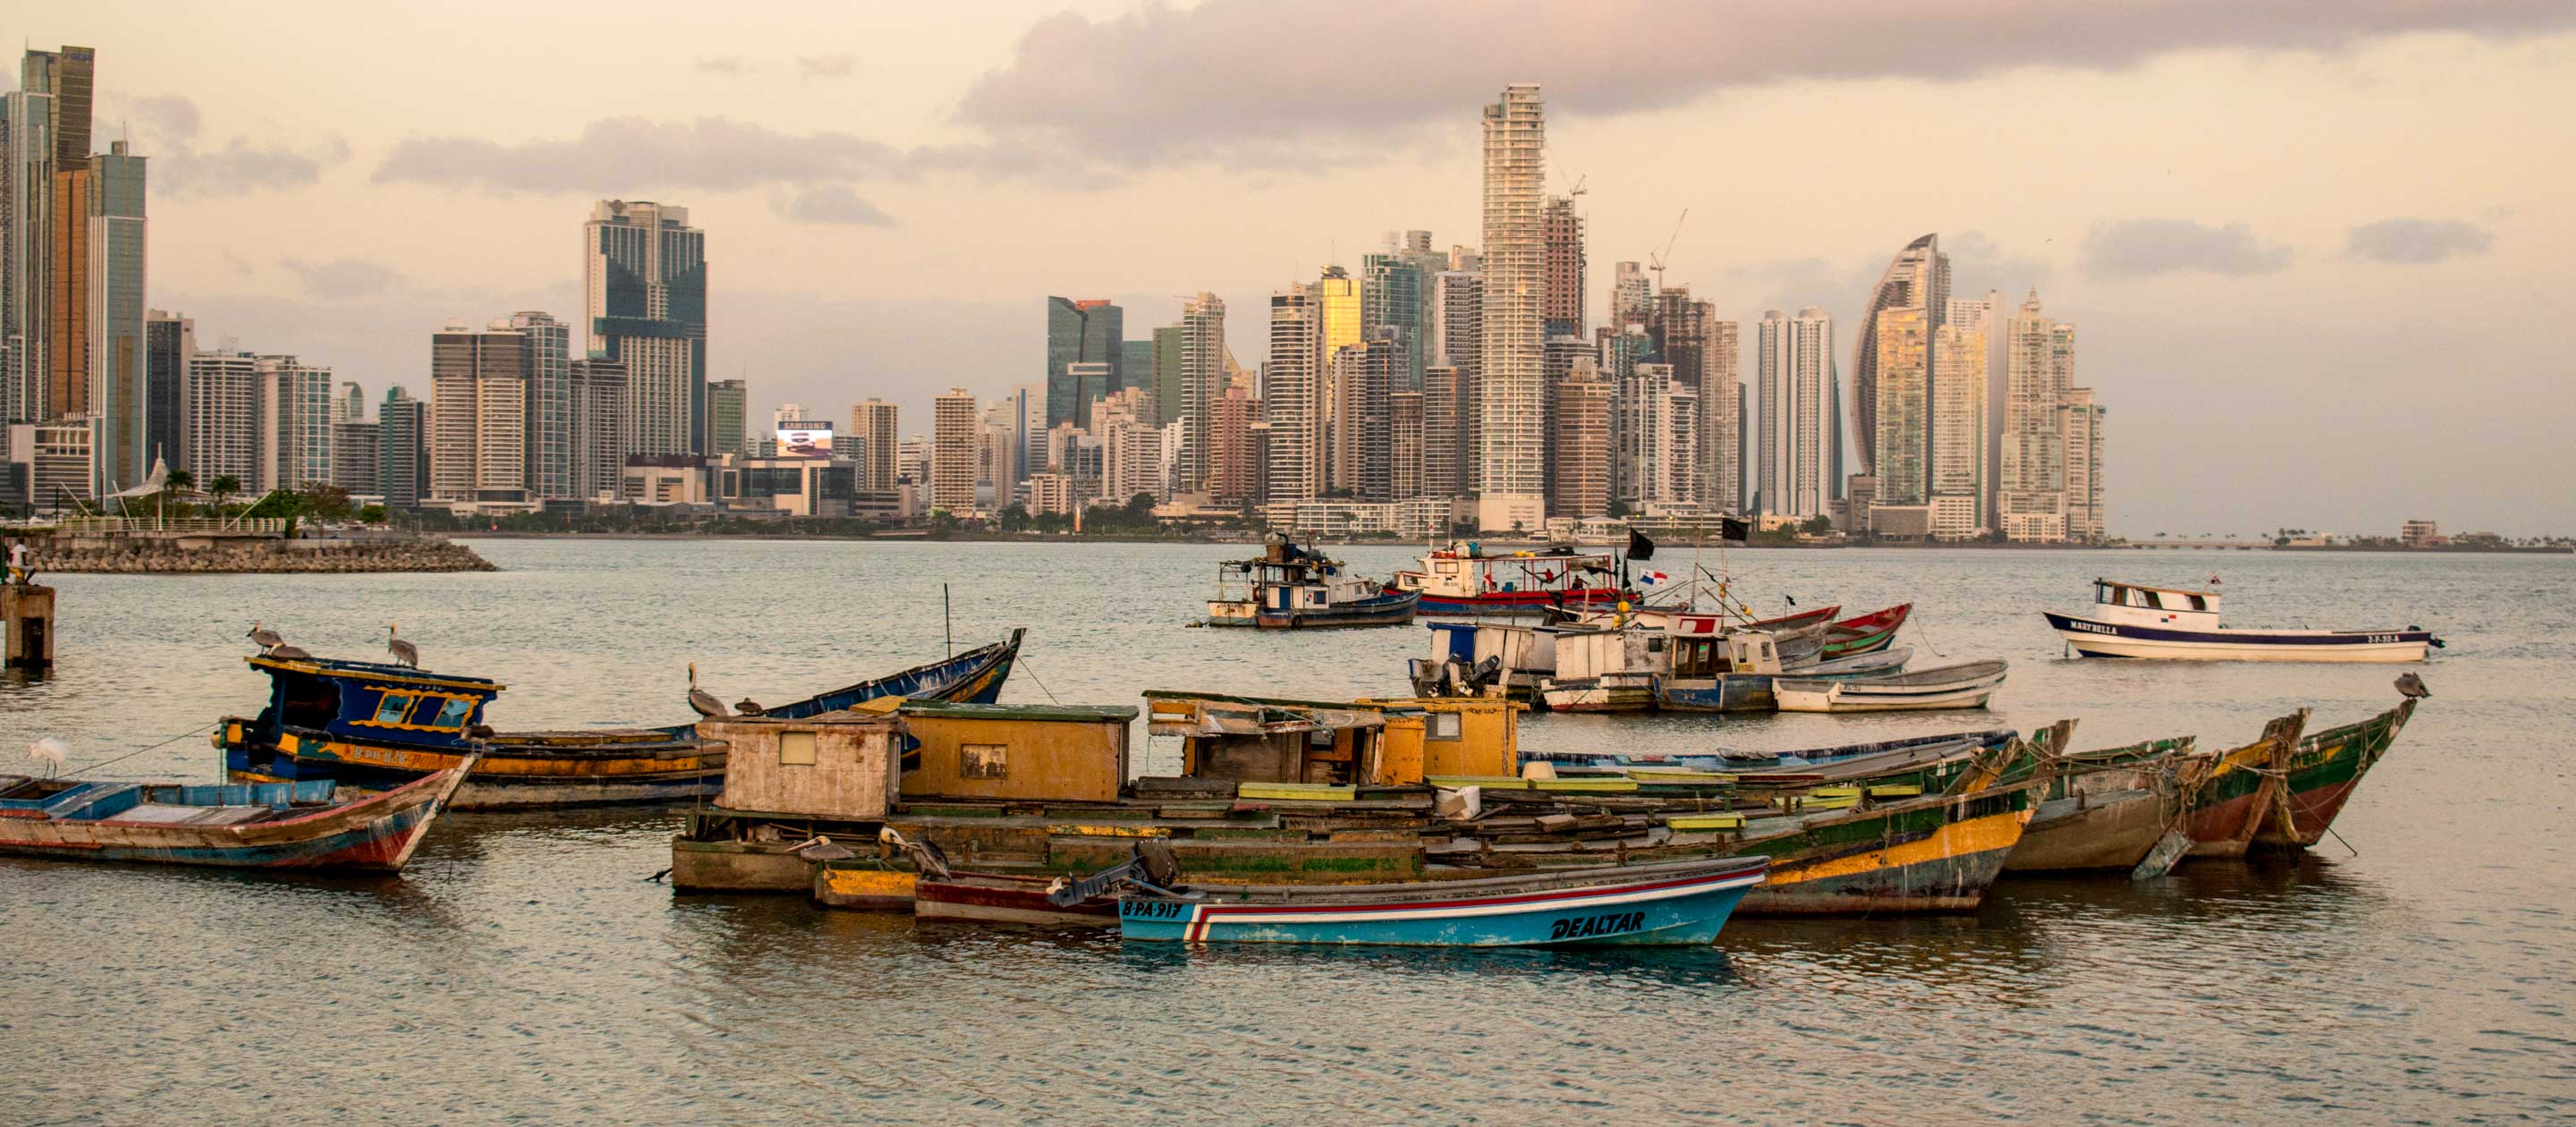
(374, 834)
(2255, 799)
(1791, 694)
(2113, 830)
(2090, 637)
(1393, 609)
(1730, 692)
(1658, 911)
(997, 898)
(1622, 692)
(1947, 867)
(1235, 612)
(1516, 604)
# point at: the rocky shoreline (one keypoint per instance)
(252, 556)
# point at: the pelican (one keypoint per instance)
(748, 707)
(284, 652)
(2411, 686)
(263, 637)
(404, 652)
(703, 701)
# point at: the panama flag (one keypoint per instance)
(1653, 577)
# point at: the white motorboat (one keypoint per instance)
(2135, 620)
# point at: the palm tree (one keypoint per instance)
(224, 485)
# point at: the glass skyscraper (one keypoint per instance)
(1089, 331)
(645, 272)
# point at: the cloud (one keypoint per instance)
(165, 129)
(2409, 242)
(720, 64)
(1162, 86)
(2138, 248)
(635, 155)
(344, 279)
(830, 203)
(826, 66)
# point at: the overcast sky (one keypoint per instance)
(2320, 255)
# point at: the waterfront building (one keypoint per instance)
(478, 413)
(1655, 437)
(1901, 373)
(548, 410)
(728, 402)
(1578, 470)
(644, 272)
(873, 424)
(2087, 517)
(292, 408)
(1050, 494)
(47, 289)
(1397, 292)
(1796, 472)
(1705, 355)
(1958, 428)
(1364, 376)
(1447, 406)
(1203, 378)
(1292, 395)
(1091, 331)
(1168, 373)
(168, 342)
(1420, 518)
(1561, 301)
(2031, 489)
(1136, 373)
(952, 453)
(402, 440)
(1404, 445)
(1918, 277)
(1511, 453)
(358, 457)
(1238, 449)
(219, 404)
(912, 461)
(114, 394)
(597, 389)
(350, 404)
(53, 461)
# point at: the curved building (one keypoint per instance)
(1919, 277)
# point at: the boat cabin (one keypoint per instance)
(1523, 654)
(1073, 753)
(840, 764)
(1337, 743)
(1695, 656)
(1463, 572)
(2136, 604)
(365, 702)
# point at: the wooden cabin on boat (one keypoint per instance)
(1337, 744)
(1007, 751)
(786, 781)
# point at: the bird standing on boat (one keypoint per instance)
(748, 707)
(703, 701)
(2411, 686)
(283, 652)
(263, 637)
(404, 652)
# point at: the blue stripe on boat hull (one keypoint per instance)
(2230, 637)
(1691, 914)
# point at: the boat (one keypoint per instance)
(943, 892)
(303, 825)
(1732, 672)
(1597, 678)
(1966, 685)
(2180, 624)
(374, 727)
(1673, 904)
(2106, 808)
(1295, 588)
(1507, 659)
(1462, 580)
(2282, 791)
(1867, 633)
(1662, 617)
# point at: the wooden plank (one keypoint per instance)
(1686, 822)
(1297, 792)
(1585, 786)
(1489, 782)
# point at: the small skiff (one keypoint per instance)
(1965, 685)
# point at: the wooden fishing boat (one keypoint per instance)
(1462, 581)
(1293, 588)
(1635, 690)
(1677, 904)
(1966, 685)
(372, 727)
(1731, 672)
(1485, 658)
(2283, 791)
(262, 826)
(1867, 633)
(2106, 808)
(2179, 624)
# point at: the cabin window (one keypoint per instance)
(796, 749)
(2199, 603)
(984, 761)
(1441, 726)
(1445, 568)
(2154, 601)
(452, 714)
(391, 709)
(1766, 649)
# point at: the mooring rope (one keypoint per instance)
(200, 729)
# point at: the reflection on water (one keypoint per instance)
(526, 969)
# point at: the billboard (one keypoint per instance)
(805, 440)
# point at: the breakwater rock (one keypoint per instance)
(146, 556)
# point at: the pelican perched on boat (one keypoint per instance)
(263, 637)
(748, 707)
(284, 652)
(404, 652)
(2411, 686)
(701, 700)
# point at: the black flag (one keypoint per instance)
(1733, 529)
(1640, 548)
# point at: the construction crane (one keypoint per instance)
(1659, 261)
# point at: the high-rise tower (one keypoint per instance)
(1511, 445)
(1919, 276)
(644, 271)
(1795, 444)
(1086, 331)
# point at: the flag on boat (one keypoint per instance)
(1653, 577)
(1640, 548)
(1733, 529)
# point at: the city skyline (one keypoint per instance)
(2313, 326)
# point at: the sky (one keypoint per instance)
(2318, 255)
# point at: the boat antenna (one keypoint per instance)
(947, 620)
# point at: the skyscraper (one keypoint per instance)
(1169, 375)
(1578, 469)
(728, 402)
(1364, 376)
(116, 394)
(2039, 369)
(1136, 368)
(478, 413)
(1655, 438)
(1396, 291)
(1958, 469)
(549, 406)
(1561, 303)
(1511, 448)
(1446, 408)
(358, 456)
(1082, 332)
(1292, 395)
(168, 342)
(1901, 369)
(1632, 296)
(1795, 472)
(1203, 372)
(1404, 445)
(953, 450)
(645, 274)
(1704, 353)
(293, 416)
(350, 404)
(1919, 276)
(402, 434)
(220, 408)
(1237, 442)
(596, 388)
(2081, 423)
(873, 424)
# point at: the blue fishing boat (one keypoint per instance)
(374, 727)
(1293, 588)
(1675, 904)
(264, 826)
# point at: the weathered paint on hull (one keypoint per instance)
(867, 889)
(1395, 613)
(1948, 870)
(2100, 832)
(1016, 902)
(1735, 692)
(1683, 913)
(2237, 808)
(738, 866)
(379, 836)
(1507, 604)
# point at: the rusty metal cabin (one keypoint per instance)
(1384, 743)
(1073, 753)
(841, 765)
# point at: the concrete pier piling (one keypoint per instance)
(27, 618)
